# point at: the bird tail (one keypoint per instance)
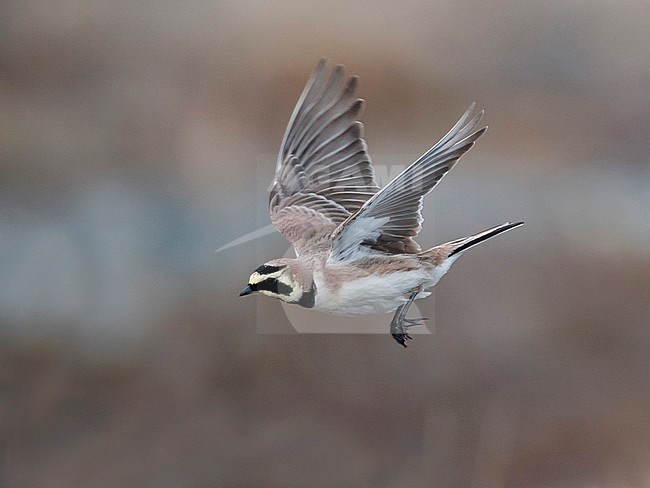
(460, 245)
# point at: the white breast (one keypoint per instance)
(368, 295)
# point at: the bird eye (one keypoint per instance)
(274, 286)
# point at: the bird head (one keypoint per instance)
(274, 279)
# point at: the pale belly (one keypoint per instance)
(369, 295)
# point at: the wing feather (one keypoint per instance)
(323, 172)
(390, 219)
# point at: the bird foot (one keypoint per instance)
(415, 322)
(399, 329)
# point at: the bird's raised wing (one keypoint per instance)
(392, 217)
(323, 173)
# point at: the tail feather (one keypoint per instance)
(460, 245)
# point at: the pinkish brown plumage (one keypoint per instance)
(355, 246)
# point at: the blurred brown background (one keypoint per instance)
(131, 135)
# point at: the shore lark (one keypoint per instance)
(355, 252)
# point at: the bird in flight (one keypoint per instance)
(354, 242)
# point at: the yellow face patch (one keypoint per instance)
(258, 278)
(274, 282)
(255, 278)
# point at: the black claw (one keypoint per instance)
(402, 338)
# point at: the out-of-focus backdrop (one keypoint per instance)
(133, 137)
